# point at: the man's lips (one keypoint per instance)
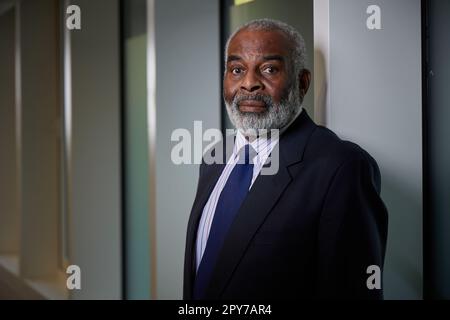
(252, 106)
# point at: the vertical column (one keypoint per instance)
(9, 210)
(39, 138)
(136, 151)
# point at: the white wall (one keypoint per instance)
(373, 97)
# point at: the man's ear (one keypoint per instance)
(304, 81)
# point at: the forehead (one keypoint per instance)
(254, 43)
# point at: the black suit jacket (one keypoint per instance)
(309, 231)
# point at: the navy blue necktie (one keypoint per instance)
(230, 200)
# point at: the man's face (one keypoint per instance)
(260, 89)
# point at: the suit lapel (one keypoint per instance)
(262, 197)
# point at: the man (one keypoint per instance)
(316, 228)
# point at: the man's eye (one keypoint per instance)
(236, 71)
(270, 70)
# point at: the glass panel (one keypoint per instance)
(136, 160)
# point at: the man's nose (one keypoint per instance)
(251, 82)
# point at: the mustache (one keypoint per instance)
(238, 98)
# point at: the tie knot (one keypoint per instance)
(246, 154)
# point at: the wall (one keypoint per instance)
(188, 89)
(94, 156)
(39, 111)
(9, 214)
(30, 105)
(375, 100)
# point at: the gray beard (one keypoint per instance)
(275, 117)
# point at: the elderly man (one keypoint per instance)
(317, 227)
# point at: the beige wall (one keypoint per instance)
(39, 138)
(9, 214)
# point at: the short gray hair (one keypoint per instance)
(298, 54)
